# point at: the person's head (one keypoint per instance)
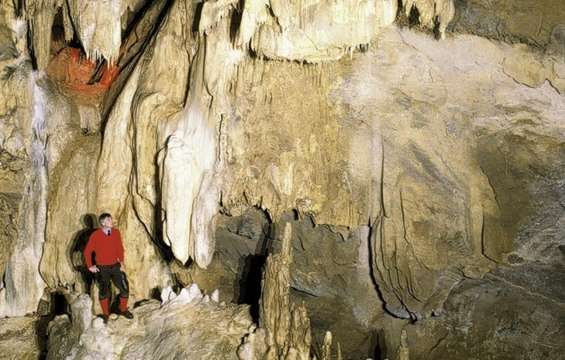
(105, 220)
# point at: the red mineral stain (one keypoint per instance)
(73, 73)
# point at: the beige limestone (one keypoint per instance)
(327, 347)
(312, 31)
(18, 338)
(189, 326)
(97, 24)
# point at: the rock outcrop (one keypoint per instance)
(338, 291)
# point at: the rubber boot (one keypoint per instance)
(124, 308)
(105, 305)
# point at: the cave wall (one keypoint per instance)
(523, 21)
(426, 163)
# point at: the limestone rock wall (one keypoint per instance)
(446, 155)
(23, 177)
(530, 327)
(526, 21)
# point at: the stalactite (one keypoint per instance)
(312, 32)
(97, 24)
(432, 11)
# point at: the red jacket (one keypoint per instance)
(108, 249)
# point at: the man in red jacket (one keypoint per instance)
(104, 256)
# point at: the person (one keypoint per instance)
(104, 257)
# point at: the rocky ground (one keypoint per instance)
(187, 326)
(20, 338)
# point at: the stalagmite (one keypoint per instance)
(403, 352)
(327, 347)
(284, 331)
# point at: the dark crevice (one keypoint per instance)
(57, 32)
(412, 20)
(165, 251)
(414, 17)
(377, 346)
(75, 42)
(197, 16)
(378, 225)
(250, 283)
(303, 292)
(133, 18)
(18, 7)
(235, 23)
(30, 48)
(58, 305)
(435, 30)
(250, 273)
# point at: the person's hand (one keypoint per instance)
(94, 269)
(122, 266)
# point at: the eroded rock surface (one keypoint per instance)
(514, 313)
(329, 274)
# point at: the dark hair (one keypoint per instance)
(103, 216)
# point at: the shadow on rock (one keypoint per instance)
(78, 244)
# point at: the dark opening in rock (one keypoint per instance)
(57, 305)
(250, 283)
